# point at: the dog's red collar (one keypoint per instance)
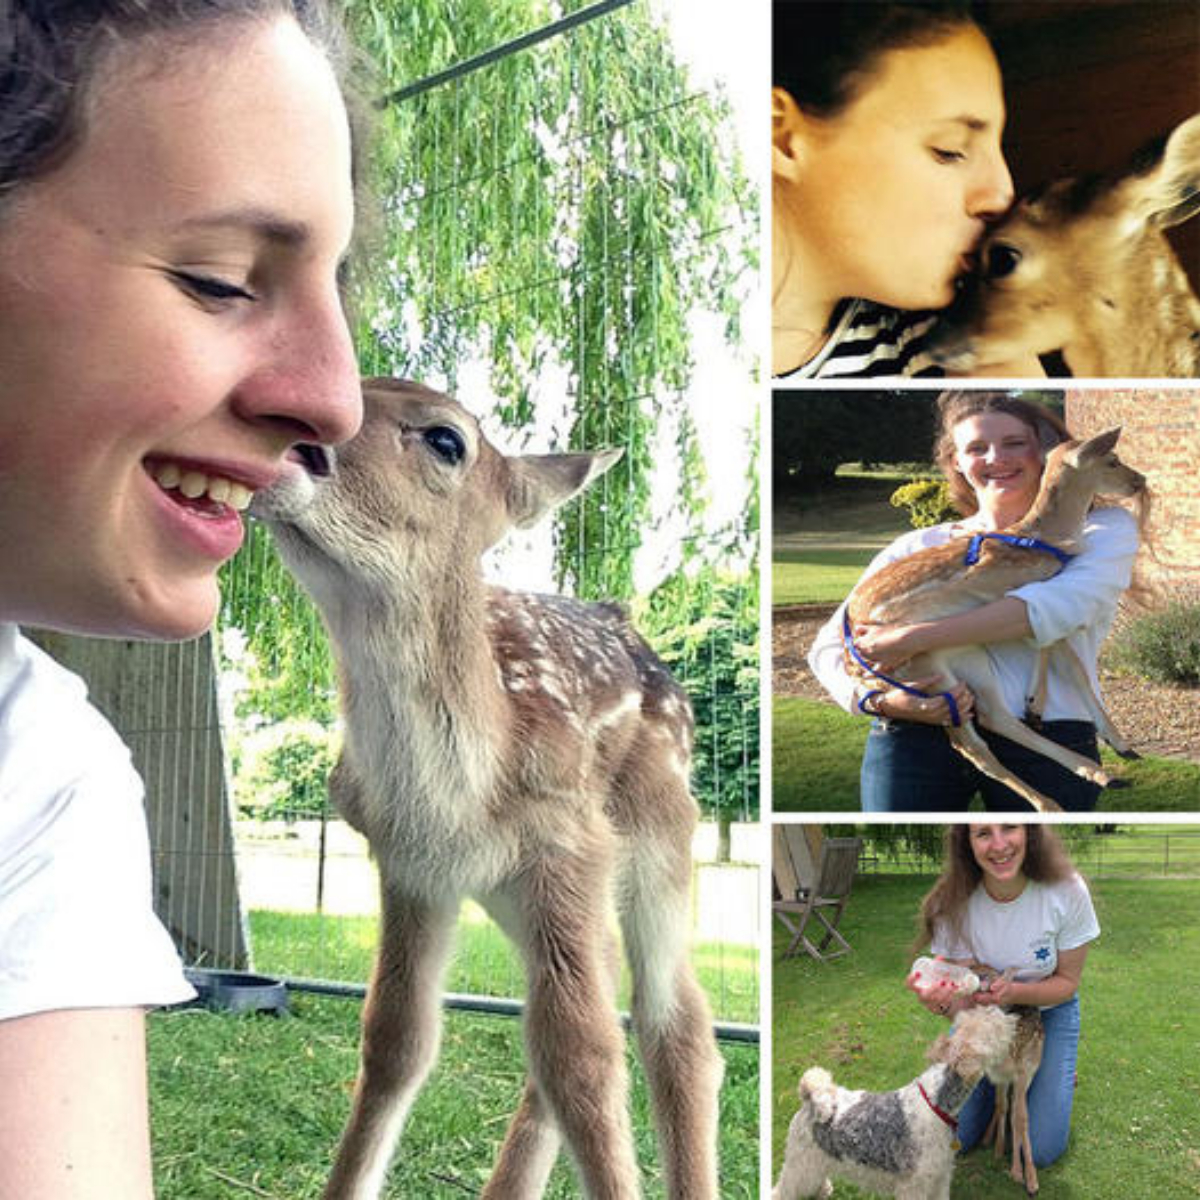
(951, 1121)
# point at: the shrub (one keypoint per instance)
(1162, 646)
(927, 501)
(285, 770)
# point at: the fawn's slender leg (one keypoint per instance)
(975, 750)
(529, 1151)
(401, 1032)
(533, 1140)
(1020, 1137)
(1083, 687)
(671, 1018)
(574, 1043)
(991, 714)
(997, 1130)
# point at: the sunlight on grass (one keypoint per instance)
(1134, 1126)
(255, 1106)
(817, 752)
(815, 576)
(312, 946)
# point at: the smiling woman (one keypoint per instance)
(1010, 905)
(176, 202)
(991, 447)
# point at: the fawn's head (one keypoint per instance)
(1093, 468)
(979, 1041)
(418, 495)
(1059, 267)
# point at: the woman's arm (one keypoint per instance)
(73, 1108)
(1088, 588)
(1004, 620)
(1055, 989)
(827, 660)
(1085, 591)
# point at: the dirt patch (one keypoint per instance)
(1156, 718)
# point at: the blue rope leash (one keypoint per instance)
(974, 549)
(848, 641)
(975, 546)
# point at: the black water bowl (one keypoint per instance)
(238, 992)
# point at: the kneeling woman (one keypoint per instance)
(1009, 897)
(991, 447)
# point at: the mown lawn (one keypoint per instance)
(310, 945)
(254, 1106)
(1136, 1125)
(817, 750)
(816, 576)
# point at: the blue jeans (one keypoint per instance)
(909, 767)
(1051, 1095)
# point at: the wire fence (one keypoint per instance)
(1103, 852)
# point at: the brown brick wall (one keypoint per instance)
(1161, 438)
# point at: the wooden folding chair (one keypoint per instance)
(825, 899)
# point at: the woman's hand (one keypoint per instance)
(887, 646)
(940, 997)
(930, 709)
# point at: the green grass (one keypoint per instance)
(254, 1106)
(244, 1103)
(485, 963)
(1136, 1124)
(817, 750)
(856, 508)
(816, 575)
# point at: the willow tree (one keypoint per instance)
(549, 222)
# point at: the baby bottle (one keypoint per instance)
(926, 972)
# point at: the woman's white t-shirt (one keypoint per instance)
(77, 925)
(1027, 933)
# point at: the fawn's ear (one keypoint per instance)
(1096, 447)
(1165, 190)
(539, 483)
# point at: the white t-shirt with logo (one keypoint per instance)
(1027, 933)
(77, 926)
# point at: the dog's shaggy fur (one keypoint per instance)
(892, 1143)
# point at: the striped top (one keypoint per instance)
(869, 340)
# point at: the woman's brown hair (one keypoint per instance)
(53, 51)
(1046, 861)
(953, 407)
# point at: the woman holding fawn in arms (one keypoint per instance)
(1009, 899)
(175, 203)
(991, 447)
(886, 166)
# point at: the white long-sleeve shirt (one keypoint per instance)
(1078, 604)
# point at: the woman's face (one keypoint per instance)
(999, 456)
(890, 195)
(170, 327)
(1000, 851)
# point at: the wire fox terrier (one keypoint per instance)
(899, 1143)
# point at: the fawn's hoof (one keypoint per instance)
(1116, 782)
(1129, 755)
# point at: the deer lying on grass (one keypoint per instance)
(529, 751)
(1083, 266)
(967, 572)
(1012, 1079)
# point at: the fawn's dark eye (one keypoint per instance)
(446, 443)
(1002, 260)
